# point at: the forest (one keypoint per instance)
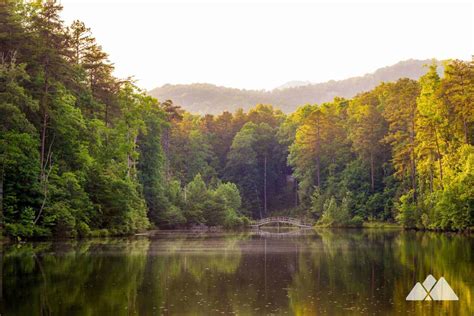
(83, 153)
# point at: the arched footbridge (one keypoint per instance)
(281, 220)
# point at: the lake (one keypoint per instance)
(333, 272)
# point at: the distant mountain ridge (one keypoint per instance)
(293, 84)
(204, 98)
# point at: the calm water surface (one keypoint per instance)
(328, 272)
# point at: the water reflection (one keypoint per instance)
(324, 272)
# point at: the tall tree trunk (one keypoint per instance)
(166, 146)
(44, 156)
(106, 115)
(466, 134)
(129, 160)
(43, 133)
(372, 177)
(44, 178)
(133, 161)
(440, 163)
(296, 193)
(318, 171)
(258, 198)
(431, 178)
(1, 208)
(265, 186)
(318, 160)
(43, 143)
(1, 271)
(412, 158)
(413, 175)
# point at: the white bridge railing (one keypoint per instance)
(281, 219)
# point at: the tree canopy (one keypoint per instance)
(83, 153)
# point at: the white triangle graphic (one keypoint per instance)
(429, 282)
(418, 293)
(443, 292)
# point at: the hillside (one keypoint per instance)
(207, 98)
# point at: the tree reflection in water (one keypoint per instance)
(323, 272)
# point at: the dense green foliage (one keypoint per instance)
(402, 151)
(241, 148)
(83, 153)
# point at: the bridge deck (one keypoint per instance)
(282, 220)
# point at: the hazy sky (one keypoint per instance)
(261, 45)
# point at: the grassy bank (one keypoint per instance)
(368, 224)
(379, 224)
